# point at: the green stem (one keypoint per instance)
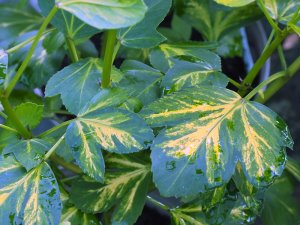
(277, 85)
(23, 66)
(63, 163)
(264, 83)
(72, 49)
(233, 82)
(246, 84)
(282, 57)
(157, 203)
(116, 49)
(14, 119)
(108, 58)
(271, 36)
(3, 115)
(67, 179)
(54, 147)
(26, 42)
(8, 128)
(268, 17)
(53, 129)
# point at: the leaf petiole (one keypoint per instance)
(54, 147)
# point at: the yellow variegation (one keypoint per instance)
(31, 198)
(208, 131)
(234, 3)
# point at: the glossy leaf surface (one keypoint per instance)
(78, 83)
(187, 74)
(213, 20)
(234, 3)
(108, 14)
(29, 153)
(144, 34)
(141, 81)
(210, 129)
(125, 189)
(282, 10)
(67, 23)
(161, 56)
(101, 126)
(31, 198)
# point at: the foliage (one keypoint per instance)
(150, 109)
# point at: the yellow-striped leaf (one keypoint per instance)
(29, 153)
(234, 3)
(78, 83)
(3, 66)
(28, 198)
(125, 189)
(208, 130)
(108, 14)
(102, 126)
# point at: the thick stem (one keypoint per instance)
(246, 84)
(72, 49)
(278, 84)
(15, 120)
(108, 58)
(23, 66)
(69, 166)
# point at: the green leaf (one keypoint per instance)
(213, 20)
(29, 153)
(210, 129)
(293, 167)
(109, 14)
(295, 28)
(144, 34)
(282, 10)
(161, 56)
(140, 81)
(124, 190)
(234, 3)
(3, 66)
(187, 74)
(30, 114)
(231, 45)
(15, 21)
(280, 205)
(100, 125)
(28, 198)
(78, 83)
(53, 41)
(67, 23)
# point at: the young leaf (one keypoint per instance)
(161, 56)
(30, 114)
(280, 207)
(78, 83)
(187, 74)
(109, 14)
(125, 189)
(67, 23)
(100, 125)
(210, 129)
(140, 81)
(281, 10)
(28, 152)
(28, 198)
(234, 3)
(213, 20)
(144, 34)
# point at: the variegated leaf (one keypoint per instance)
(210, 129)
(28, 198)
(161, 56)
(234, 3)
(3, 66)
(101, 126)
(28, 152)
(108, 14)
(125, 189)
(82, 80)
(187, 74)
